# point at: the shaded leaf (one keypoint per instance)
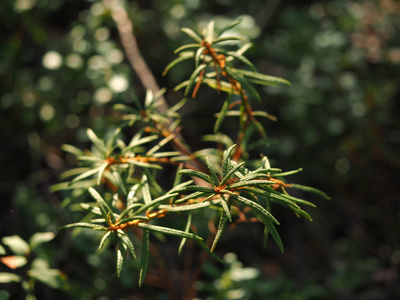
(310, 190)
(187, 229)
(221, 225)
(222, 115)
(144, 256)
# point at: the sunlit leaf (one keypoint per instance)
(16, 244)
(40, 238)
(99, 144)
(169, 231)
(83, 225)
(124, 238)
(192, 34)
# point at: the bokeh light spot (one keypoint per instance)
(52, 60)
(342, 165)
(102, 95)
(46, 112)
(74, 61)
(118, 83)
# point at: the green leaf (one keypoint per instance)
(187, 46)
(242, 59)
(224, 204)
(244, 183)
(221, 225)
(231, 172)
(105, 209)
(2, 250)
(244, 48)
(78, 185)
(282, 174)
(40, 238)
(99, 144)
(226, 159)
(129, 219)
(266, 78)
(181, 85)
(91, 207)
(120, 259)
(51, 277)
(182, 57)
(193, 78)
(197, 57)
(257, 207)
(220, 85)
(72, 149)
(264, 114)
(104, 239)
(127, 242)
(187, 229)
(260, 129)
(230, 26)
(73, 172)
(195, 173)
(209, 36)
(274, 233)
(85, 175)
(197, 188)
(17, 245)
(214, 177)
(145, 190)
(119, 181)
(192, 34)
(144, 165)
(310, 190)
(278, 196)
(135, 142)
(245, 84)
(131, 199)
(83, 225)
(266, 234)
(222, 114)
(101, 172)
(189, 207)
(144, 256)
(228, 39)
(190, 196)
(154, 203)
(129, 209)
(111, 142)
(170, 231)
(9, 277)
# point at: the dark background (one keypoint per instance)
(338, 121)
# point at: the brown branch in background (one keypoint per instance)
(129, 43)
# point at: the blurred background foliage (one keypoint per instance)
(62, 68)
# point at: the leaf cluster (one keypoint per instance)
(122, 176)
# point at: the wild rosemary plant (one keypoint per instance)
(122, 176)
